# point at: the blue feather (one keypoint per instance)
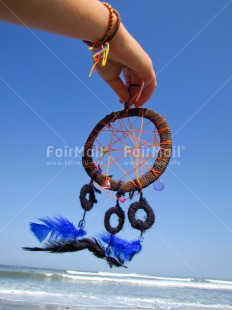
(40, 231)
(58, 227)
(122, 248)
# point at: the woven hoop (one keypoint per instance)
(87, 203)
(121, 219)
(160, 163)
(137, 223)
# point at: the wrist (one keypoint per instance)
(111, 30)
(122, 45)
(126, 50)
(101, 47)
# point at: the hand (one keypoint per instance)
(127, 56)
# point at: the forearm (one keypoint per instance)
(80, 19)
(88, 20)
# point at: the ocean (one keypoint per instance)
(25, 288)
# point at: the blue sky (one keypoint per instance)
(48, 99)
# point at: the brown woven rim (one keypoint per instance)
(160, 163)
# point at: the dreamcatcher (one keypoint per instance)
(126, 151)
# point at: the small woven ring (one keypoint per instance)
(160, 163)
(137, 223)
(121, 219)
(87, 204)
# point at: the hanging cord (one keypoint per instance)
(94, 187)
(82, 223)
(141, 238)
(120, 194)
(138, 188)
(102, 46)
(132, 191)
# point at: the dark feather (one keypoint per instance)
(33, 249)
(96, 247)
(93, 245)
(115, 262)
(63, 246)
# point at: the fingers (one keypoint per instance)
(133, 83)
(128, 57)
(111, 75)
(146, 92)
(120, 89)
(127, 73)
(135, 92)
(139, 96)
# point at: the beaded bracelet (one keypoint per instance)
(102, 45)
(111, 21)
(112, 35)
